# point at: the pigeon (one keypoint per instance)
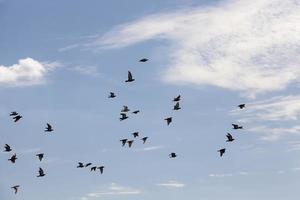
(123, 117)
(112, 95)
(136, 112)
(49, 128)
(130, 143)
(125, 109)
(176, 107)
(130, 79)
(93, 168)
(235, 126)
(80, 165)
(144, 139)
(15, 188)
(135, 134)
(101, 169)
(169, 120)
(41, 173)
(229, 138)
(13, 158)
(222, 151)
(40, 156)
(143, 60)
(123, 142)
(88, 164)
(177, 98)
(172, 155)
(241, 106)
(14, 113)
(7, 148)
(17, 118)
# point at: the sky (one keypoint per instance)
(60, 59)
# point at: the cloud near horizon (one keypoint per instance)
(246, 46)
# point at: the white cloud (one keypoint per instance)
(151, 148)
(172, 184)
(26, 72)
(247, 46)
(220, 175)
(87, 70)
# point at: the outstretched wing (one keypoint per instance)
(129, 75)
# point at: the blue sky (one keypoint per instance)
(60, 59)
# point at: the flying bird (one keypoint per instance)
(222, 151)
(123, 117)
(143, 60)
(41, 173)
(176, 107)
(88, 164)
(125, 109)
(130, 143)
(172, 155)
(123, 142)
(130, 79)
(48, 128)
(169, 120)
(229, 138)
(136, 112)
(80, 165)
(93, 168)
(13, 158)
(14, 113)
(144, 139)
(135, 134)
(241, 106)
(15, 188)
(236, 126)
(17, 118)
(177, 98)
(7, 148)
(101, 168)
(112, 95)
(40, 156)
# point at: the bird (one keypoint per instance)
(241, 106)
(176, 107)
(49, 128)
(172, 155)
(144, 139)
(136, 112)
(222, 151)
(125, 109)
(169, 120)
(7, 148)
(40, 156)
(143, 60)
(112, 95)
(123, 142)
(14, 113)
(17, 118)
(101, 169)
(130, 143)
(88, 164)
(93, 168)
(236, 126)
(15, 188)
(123, 117)
(135, 134)
(229, 138)
(13, 158)
(80, 165)
(130, 79)
(177, 98)
(41, 173)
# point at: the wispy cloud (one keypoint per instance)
(152, 148)
(87, 70)
(172, 184)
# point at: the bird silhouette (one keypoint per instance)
(236, 126)
(176, 107)
(17, 118)
(172, 155)
(101, 168)
(123, 116)
(241, 106)
(130, 79)
(112, 95)
(41, 173)
(125, 109)
(135, 134)
(229, 138)
(14, 113)
(144, 139)
(15, 188)
(88, 164)
(143, 60)
(93, 168)
(136, 112)
(169, 120)
(13, 158)
(40, 156)
(222, 151)
(130, 143)
(7, 148)
(123, 142)
(80, 165)
(177, 98)
(48, 128)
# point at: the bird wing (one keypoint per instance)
(49, 126)
(129, 75)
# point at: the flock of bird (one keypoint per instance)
(124, 115)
